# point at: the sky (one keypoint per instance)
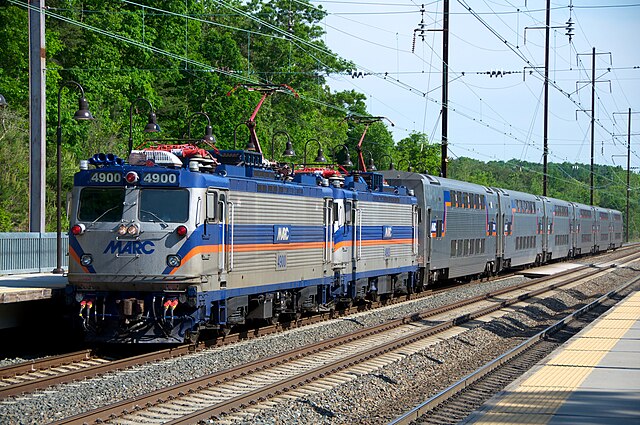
(497, 117)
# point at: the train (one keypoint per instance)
(179, 243)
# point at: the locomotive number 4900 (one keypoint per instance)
(106, 177)
(160, 178)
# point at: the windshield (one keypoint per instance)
(164, 205)
(101, 204)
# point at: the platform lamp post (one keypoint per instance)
(319, 157)
(347, 159)
(208, 137)
(151, 127)
(288, 150)
(82, 114)
(372, 165)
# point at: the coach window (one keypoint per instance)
(460, 247)
(453, 247)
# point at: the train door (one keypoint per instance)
(500, 232)
(217, 229)
(546, 213)
(427, 239)
(327, 252)
(354, 215)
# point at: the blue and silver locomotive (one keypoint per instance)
(172, 244)
(180, 241)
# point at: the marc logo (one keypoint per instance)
(281, 234)
(130, 247)
(387, 232)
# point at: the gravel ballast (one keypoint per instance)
(368, 399)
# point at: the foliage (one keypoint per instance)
(566, 181)
(184, 57)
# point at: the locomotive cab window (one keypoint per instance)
(101, 204)
(212, 206)
(164, 205)
(348, 212)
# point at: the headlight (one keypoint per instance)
(122, 230)
(133, 230)
(86, 260)
(173, 260)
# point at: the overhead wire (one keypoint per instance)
(175, 56)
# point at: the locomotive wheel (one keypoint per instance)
(192, 336)
(273, 319)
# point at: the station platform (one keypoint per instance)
(549, 269)
(594, 378)
(22, 294)
(30, 287)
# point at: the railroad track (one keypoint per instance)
(462, 398)
(42, 373)
(263, 383)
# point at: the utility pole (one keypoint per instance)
(37, 116)
(593, 112)
(545, 154)
(629, 113)
(628, 174)
(569, 27)
(593, 120)
(445, 87)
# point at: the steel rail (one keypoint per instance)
(44, 363)
(457, 387)
(74, 375)
(264, 393)
(86, 372)
(212, 380)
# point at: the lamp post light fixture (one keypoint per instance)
(319, 157)
(372, 165)
(82, 114)
(208, 137)
(288, 150)
(347, 159)
(151, 127)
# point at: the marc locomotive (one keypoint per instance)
(179, 240)
(166, 245)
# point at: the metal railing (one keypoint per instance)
(30, 252)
